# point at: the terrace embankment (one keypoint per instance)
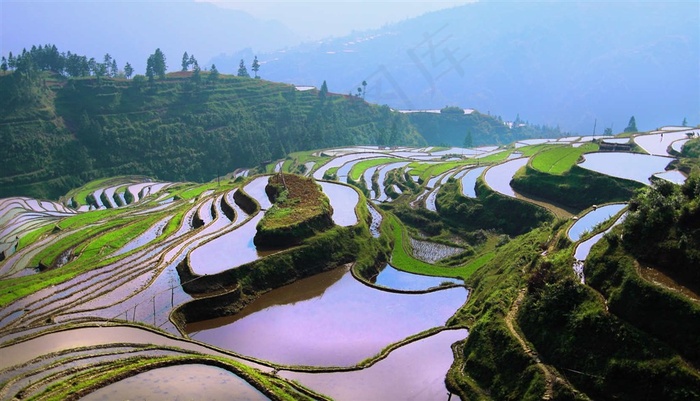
(299, 211)
(578, 188)
(228, 292)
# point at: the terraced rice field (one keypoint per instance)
(99, 286)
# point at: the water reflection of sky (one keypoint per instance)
(587, 222)
(395, 279)
(631, 166)
(415, 371)
(347, 323)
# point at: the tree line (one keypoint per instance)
(49, 58)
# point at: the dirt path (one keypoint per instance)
(510, 318)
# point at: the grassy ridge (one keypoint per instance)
(558, 160)
(300, 210)
(577, 188)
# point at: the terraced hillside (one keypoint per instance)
(67, 132)
(432, 256)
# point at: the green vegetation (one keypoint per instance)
(558, 160)
(489, 211)
(300, 210)
(401, 259)
(173, 129)
(577, 188)
(359, 168)
(449, 129)
(691, 149)
(662, 228)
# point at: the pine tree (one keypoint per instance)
(468, 140)
(185, 61)
(256, 66)
(11, 61)
(213, 74)
(324, 90)
(632, 125)
(3, 65)
(113, 69)
(242, 70)
(159, 65)
(128, 70)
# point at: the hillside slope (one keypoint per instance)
(57, 134)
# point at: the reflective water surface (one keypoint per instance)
(415, 372)
(327, 320)
(631, 166)
(390, 277)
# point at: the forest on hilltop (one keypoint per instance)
(66, 119)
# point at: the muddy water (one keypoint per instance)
(183, 382)
(415, 371)
(663, 280)
(631, 166)
(343, 200)
(591, 219)
(499, 177)
(323, 322)
(390, 277)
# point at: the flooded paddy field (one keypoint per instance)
(122, 266)
(330, 319)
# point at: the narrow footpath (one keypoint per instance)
(548, 375)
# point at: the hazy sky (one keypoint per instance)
(318, 19)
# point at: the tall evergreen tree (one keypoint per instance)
(128, 70)
(256, 66)
(159, 66)
(11, 62)
(324, 90)
(185, 61)
(3, 64)
(213, 74)
(150, 69)
(468, 140)
(113, 69)
(632, 125)
(242, 70)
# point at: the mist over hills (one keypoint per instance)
(130, 31)
(566, 64)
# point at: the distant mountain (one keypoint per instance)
(131, 31)
(566, 64)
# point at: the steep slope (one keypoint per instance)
(66, 132)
